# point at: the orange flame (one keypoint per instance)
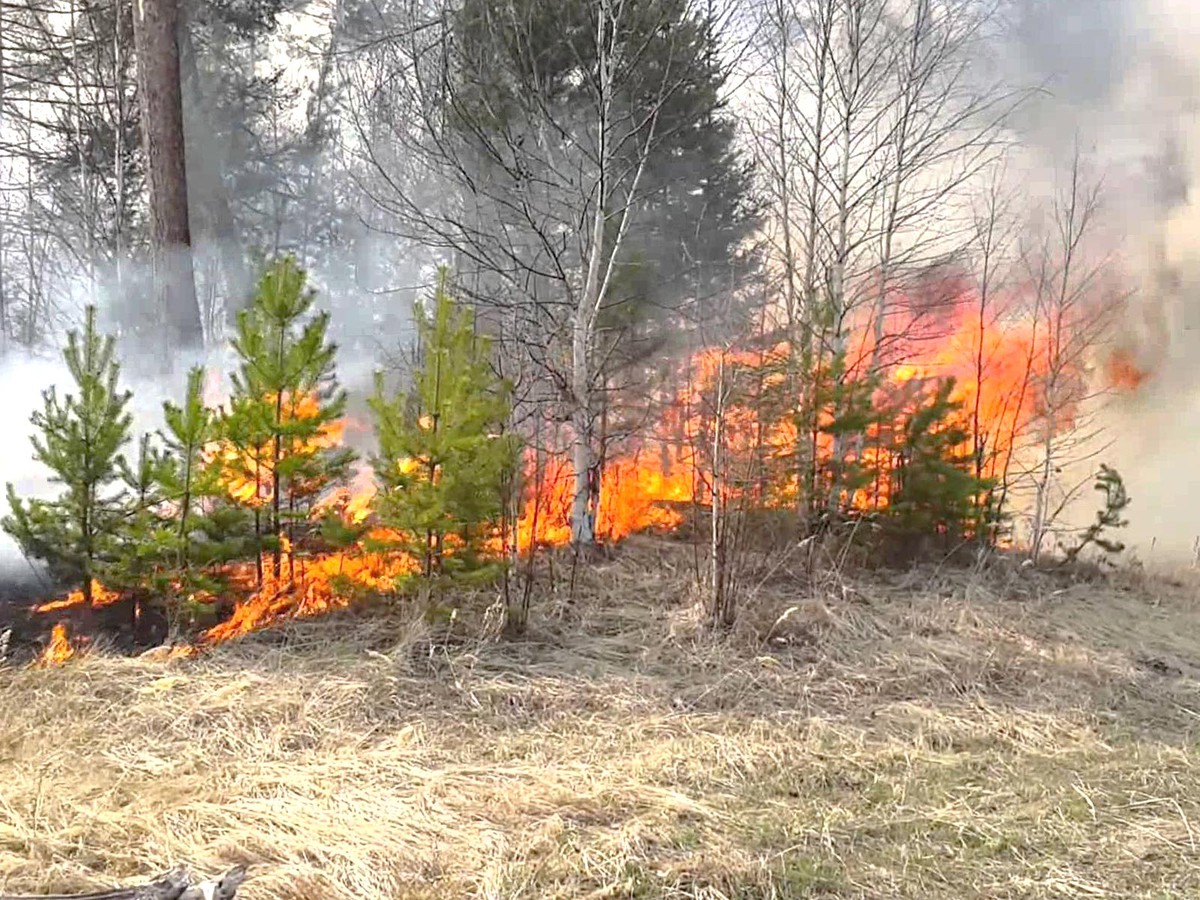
(101, 596)
(248, 470)
(644, 484)
(1123, 372)
(59, 650)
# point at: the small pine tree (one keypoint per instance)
(1116, 499)
(80, 440)
(189, 430)
(443, 460)
(141, 564)
(934, 487)
(280, 429)
(206, 530)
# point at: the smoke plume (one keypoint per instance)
(1121, 81)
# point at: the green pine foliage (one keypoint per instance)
(284, 403)
(829, 407)
(1109, 517)
(935, 490)
(142, 563)
(444, 459)
(80, 440)
(207, 530)
(843, 413)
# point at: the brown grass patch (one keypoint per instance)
(924, 735)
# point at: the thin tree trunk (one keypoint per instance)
(583, 516)
(717, 548)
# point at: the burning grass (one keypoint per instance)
(931, 735)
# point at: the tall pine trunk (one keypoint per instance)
(155, 32)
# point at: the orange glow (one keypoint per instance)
(101, 596)
(59, 650)
(311, 586)
(1123, 372)
(647, 483)
(248, 471)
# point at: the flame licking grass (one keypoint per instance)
(101, 596)
(59, 650)
(996, 372)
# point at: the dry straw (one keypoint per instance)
(938, 735)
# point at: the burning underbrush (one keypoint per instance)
(931, 734)
(251, 507)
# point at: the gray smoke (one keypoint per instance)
(1121, 80)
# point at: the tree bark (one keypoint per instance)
(155, 31)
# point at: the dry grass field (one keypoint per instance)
(925, 735)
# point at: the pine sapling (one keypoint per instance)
(79, 438)
(281, 428)
(1110, 516)
(444, 460)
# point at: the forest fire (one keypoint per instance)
(648, 486)
(1123, 372)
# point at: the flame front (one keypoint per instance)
(101, 596)
(648, 482)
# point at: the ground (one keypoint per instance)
(931, 734)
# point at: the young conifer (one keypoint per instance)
(207, 528)
(141, 564)
(444, 460)
(80, 438)
(282, 423)
(935, 488)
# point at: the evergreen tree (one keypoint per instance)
(820, 472)
(80, 439)
(444, 460)
(141, 565)
(281, 429)
(935, 490)
(1111, 516)
(190, 428)
(207, 529)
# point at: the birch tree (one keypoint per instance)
(564, 135)
(870, 130)
(1072, 308)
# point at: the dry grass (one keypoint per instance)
(925, 736)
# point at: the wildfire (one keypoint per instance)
(249, 470)
(644, 485)
(59, 650)
(1123, 372)
(101, 596)
(311, 586)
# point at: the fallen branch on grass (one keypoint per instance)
(175, 886)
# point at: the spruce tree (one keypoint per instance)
(80, 438)
(280, 430)
(444, 461)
